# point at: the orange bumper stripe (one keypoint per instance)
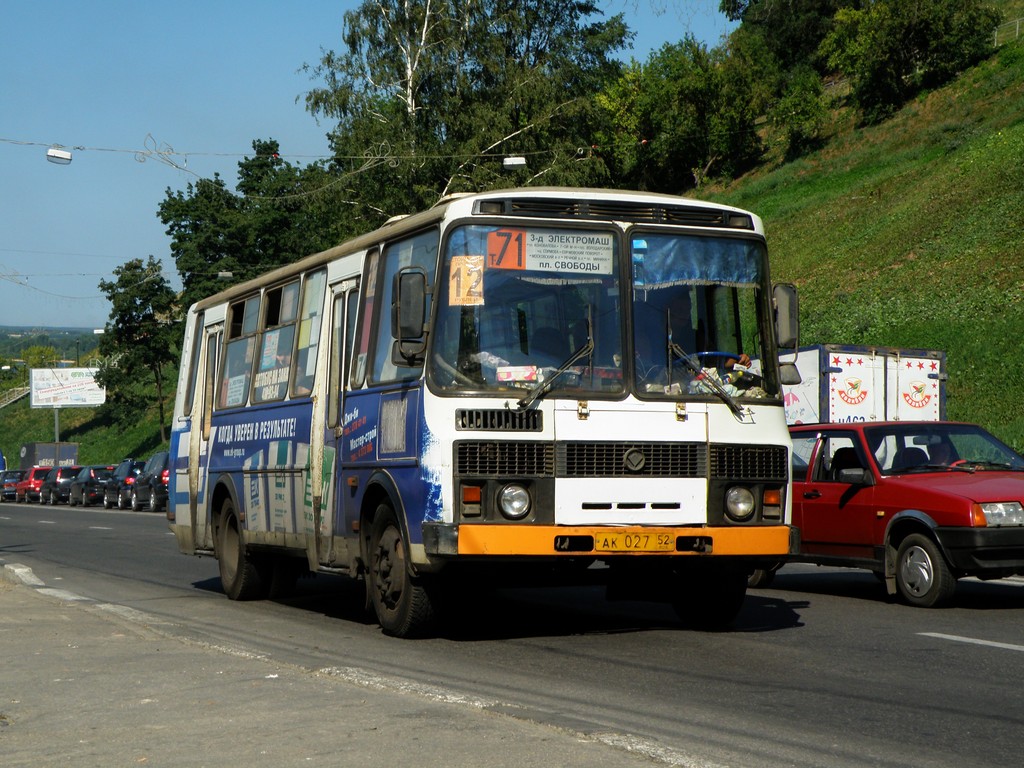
(540, 540)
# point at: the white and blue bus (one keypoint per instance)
(532, 386)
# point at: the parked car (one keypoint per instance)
(57, 485)
(150, 488)
(921, 504)
(118, 492)
(27, 488)
(88, 486)
(9, 479)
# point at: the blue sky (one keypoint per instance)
(117, 82)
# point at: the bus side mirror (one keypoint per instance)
(787, 316)
(408, 316)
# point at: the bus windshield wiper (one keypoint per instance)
(675, 351)
(543, 387)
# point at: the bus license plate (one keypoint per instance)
(634, 542)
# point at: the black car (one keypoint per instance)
(150, 489)
(9, 480)
(118, 492)
(57, 485)
(88, 486)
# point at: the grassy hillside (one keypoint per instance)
(908, 234)
(99, 439)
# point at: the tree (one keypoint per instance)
(280, 213)
(40, 356)
(893, 50)
(143, 334)
(791, 29)
(429, 95)
(799, 115)
(687, 114)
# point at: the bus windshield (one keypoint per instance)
(541, 309)
(701, 316)
(517, 303)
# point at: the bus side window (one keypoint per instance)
(193, 365)
(275, 360)
(309, 333)
(343, 317)
(358, 374)
(234, 385)
(243, 319)
(351, 314)
(420, 250)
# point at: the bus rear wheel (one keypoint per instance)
(401, 602)
(240, 574)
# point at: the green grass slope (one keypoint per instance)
(99, 439)
(908, 234)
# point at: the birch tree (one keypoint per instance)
(427, 97)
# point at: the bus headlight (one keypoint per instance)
(739, 503)
(514, 502)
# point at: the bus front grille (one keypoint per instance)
(512, 458)
(499, 420)
(608, 459)
(749, 462)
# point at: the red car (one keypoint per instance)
(921, 504)
(28, 487)
(9, 480)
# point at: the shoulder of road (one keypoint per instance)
(96, 684)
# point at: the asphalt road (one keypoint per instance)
(822, 669)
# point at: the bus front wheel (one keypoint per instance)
(401, 602)
(240, 574)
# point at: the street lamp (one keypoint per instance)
(58, 155)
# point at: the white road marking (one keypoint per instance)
(973, 641)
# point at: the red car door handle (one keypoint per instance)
(812, 494)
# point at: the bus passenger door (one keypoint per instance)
(200, 439)
(325, 431)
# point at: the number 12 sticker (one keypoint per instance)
(466, 281)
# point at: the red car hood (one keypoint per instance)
(980, 486)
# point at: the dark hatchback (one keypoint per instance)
(118, 492)
(88, 486)
(57, 485)
(150, 490)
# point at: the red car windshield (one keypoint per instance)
(938, 446)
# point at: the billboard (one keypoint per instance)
(65, 388)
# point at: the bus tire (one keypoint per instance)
(709, 598)
(401, 602)
(761, 577)
(240, 574)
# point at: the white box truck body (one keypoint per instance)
(845, 383)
